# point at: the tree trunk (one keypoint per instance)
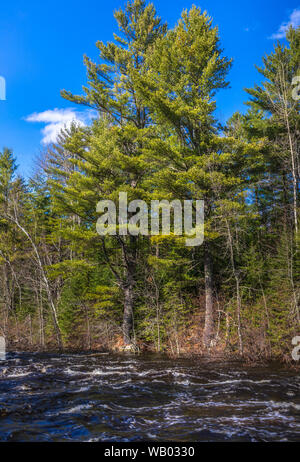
(128, 314)
(88, 329)
(294, 175)
(209, 316)
(238, 292)
(238, 309)
(128, 285)
(6, 291)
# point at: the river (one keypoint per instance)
(104, 397)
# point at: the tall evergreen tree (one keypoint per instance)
(275, 98)
(185, 69)
(112, 93)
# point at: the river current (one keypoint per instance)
(104, 397)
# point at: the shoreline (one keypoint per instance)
(214, 358)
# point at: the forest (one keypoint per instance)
(155, 136)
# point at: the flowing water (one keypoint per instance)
(104, 397)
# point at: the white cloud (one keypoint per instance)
(58, 119)
(294, 20)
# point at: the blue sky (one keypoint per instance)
(42, 44)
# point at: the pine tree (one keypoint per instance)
(275, 98)
(186, 68)
(114, 161)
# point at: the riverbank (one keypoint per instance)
(259, 345)
(209, 357)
